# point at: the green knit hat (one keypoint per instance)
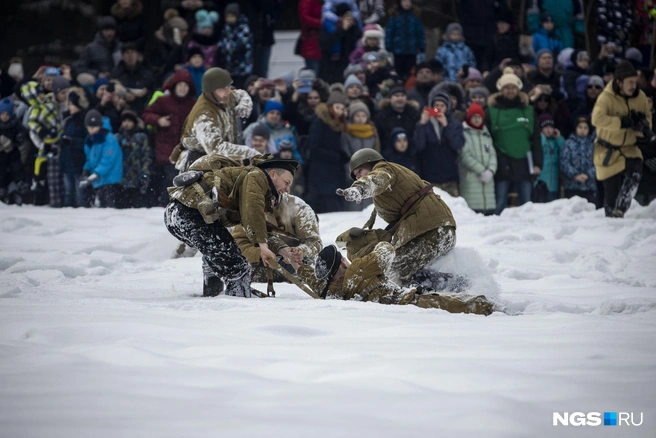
(215, 78)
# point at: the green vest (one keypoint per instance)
(512, 129)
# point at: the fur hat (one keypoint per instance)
(78, 98)
(93, 118)
(261, 130)
(509, 79)
(6, 106)
(108, 22)
(272, 105)
(352, 80)
(336, 97)
(546, 119)
(327, 263)
(356, 107)
(625, 70)
(205, 19)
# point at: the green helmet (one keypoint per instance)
(215, 78)
(363, 156)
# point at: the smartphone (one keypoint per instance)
(306, 88)
(54, 71)
(465, 70)
(433, 112)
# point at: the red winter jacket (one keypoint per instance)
(176, 107)
(309, 11)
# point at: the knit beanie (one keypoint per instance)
(596, 80)
(6, 106)
(336, 97)
(440, 96)
(482, 91)
(60, 83)
(205, 19)
(398, 132)
(352, 69)
(215, 78)
(475, 110)
(131, 115)
(397, 89)
(93, 118)
(232, 8)
(582, 119)
(545, 16)
(273, 105)
(474, 75)
(541, 52)
(356, 107)
(108, 22)
(99, 83)
(261, 130)
(285, 145)
(451, 27)
(546, 119)
(327, 263)
(625, 70)
(352, 80)
(509, 79)
(373, 31)
(195, 51)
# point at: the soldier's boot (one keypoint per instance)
(239, 287)
(212, 286)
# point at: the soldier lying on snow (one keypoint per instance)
(218, 193)
(365, 280)
(421, 226)
(293, 234)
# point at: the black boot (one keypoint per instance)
(212, 286)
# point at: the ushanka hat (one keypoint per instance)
(327, 263)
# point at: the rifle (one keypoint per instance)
(274, 264)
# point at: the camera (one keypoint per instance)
(433, 112)
(640, 124)
(110, 87)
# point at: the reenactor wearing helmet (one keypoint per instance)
(421, 226)
(365, 279)
(217, 193)
(293, 234)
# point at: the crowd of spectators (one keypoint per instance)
(488, 115)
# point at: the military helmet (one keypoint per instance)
(363, 156)
(215, 78)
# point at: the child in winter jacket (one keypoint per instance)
(568, 17)
(204, 38)
(12, 135)
(401, 150)
(580, 67)
(104, 160)
(576, 163)
(552, 142)
(360, 131)
(236, 45)
(137, 162)
(279, 129)
(478, 163)
(404, 37)
(454, 53)
(196, 66)
(373, 38)
(546, 37)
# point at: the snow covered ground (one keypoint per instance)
(101, 335)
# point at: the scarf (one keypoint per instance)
(361, 131)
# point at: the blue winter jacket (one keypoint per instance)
(197, 76)
(543, 40)
(438, 159)
(576, 158)
(404, 34)
(104, 156)
(453, 56)
(551, 162)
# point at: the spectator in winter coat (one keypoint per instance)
(360, 130)
(131, 27)
(12, 135)
(491, 79)
(371, 11)
(567, 17)
(458, 99)
(478, 163)
(544, 102)
(133, 75)
(545, 74)
(71, 156)
(404, 37)
(506, 41)
(104, 160)
(583, 107)
(354, 91)
(337, 39)
(259, 138)
(167, 115)
(552, 142)
(576, 165)
(309, 13)
(424, 81)
(546, 37)
(302, 107)
(196, 68)
(474, 79)
(580, 66)
(478, 18)
(397, 111)
(479, 96)
(402, 151)
(166, 50)
(204, 37)
(112, 103)
(373, 39)
(186, 9)
(514, 129)
(438, 140)
(262, 18)
(103, 54)
(280, 129)
(327, 156)
(236, 45)
(453, 53)
(137, 162)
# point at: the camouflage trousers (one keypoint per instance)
(420, 251)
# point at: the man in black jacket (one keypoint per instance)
(134, 76)
(396, 112)
(101, 55)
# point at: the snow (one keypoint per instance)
(103, 335)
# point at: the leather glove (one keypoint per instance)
(486, 176)
(84, 183)
(651, 164)
(627, 122)
(350, 194)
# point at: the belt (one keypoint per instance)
(414, 198)
(609, 150)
